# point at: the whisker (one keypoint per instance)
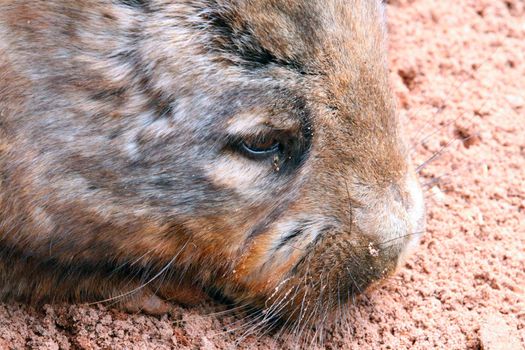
(435, 181)
(304, 302)
(401, 237)
(293, 312)
(268, 316)
(242, 321)
(132, 263)
(438, 130)
(230, 310)
(442, 150)
(164, 269)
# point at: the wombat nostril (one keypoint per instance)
(397, 195)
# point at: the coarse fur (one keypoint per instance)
(122, 177)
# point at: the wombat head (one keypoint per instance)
(252, 143)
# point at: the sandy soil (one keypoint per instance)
(458, 69)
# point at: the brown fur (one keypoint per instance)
(117, 168)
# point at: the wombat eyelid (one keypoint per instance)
(263, 150)
(259, 146)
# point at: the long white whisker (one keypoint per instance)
(164, 269)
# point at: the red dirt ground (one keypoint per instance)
(458, 69)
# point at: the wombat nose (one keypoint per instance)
(393, 214)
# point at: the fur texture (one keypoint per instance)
(122, 168)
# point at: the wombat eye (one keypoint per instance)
(260, 147)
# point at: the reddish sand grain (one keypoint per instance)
(458, 70)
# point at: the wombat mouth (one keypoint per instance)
(328, 276)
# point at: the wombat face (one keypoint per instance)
(253, 143)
